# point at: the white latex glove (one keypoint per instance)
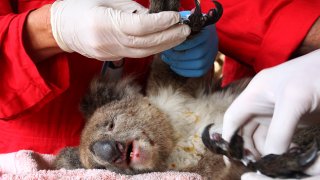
(270, 108)
(109, 30)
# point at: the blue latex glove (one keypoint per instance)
(195, 56)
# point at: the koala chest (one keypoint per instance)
(188, 116)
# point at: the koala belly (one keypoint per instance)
(188, 116)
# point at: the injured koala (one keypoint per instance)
(129, 132)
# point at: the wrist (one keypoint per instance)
(38, 38)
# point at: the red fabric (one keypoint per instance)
(258, 34)
(39, 103)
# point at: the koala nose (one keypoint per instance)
(107, 150)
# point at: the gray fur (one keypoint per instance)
(68, 158)
(164, 5)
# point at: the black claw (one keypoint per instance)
(197, 20)
(214, 143)
(214, 14)
(309, 157)
(291, 164)
(236, 146)
(281, 166)
(288, 165)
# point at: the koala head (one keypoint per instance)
(124, 132)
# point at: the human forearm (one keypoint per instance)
(312, 40)
(38, 38)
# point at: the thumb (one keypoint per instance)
(143, 24)
(245, 107)
(254, 176)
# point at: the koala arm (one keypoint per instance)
(68, 158)
(212, 166)
(312, 40)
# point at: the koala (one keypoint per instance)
(130, 131)
(164, 5)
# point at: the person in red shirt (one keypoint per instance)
(41, 85)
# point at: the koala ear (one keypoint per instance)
(102, 92)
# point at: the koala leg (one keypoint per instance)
(163, 5)
(212, 166)
(68, 158)
(162, 76)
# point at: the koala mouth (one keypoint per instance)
(129, 153)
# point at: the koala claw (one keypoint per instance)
(288, 165)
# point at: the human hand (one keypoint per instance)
(283, 96)
(110, 30)
(194, 57)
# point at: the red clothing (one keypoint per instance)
(39, 102)
(259, 34)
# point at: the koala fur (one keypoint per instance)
(164, 5)
(156, 131)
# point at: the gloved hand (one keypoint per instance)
(110, 30)
(195, 56)
(283, 96)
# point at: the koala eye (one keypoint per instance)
(110, 125)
